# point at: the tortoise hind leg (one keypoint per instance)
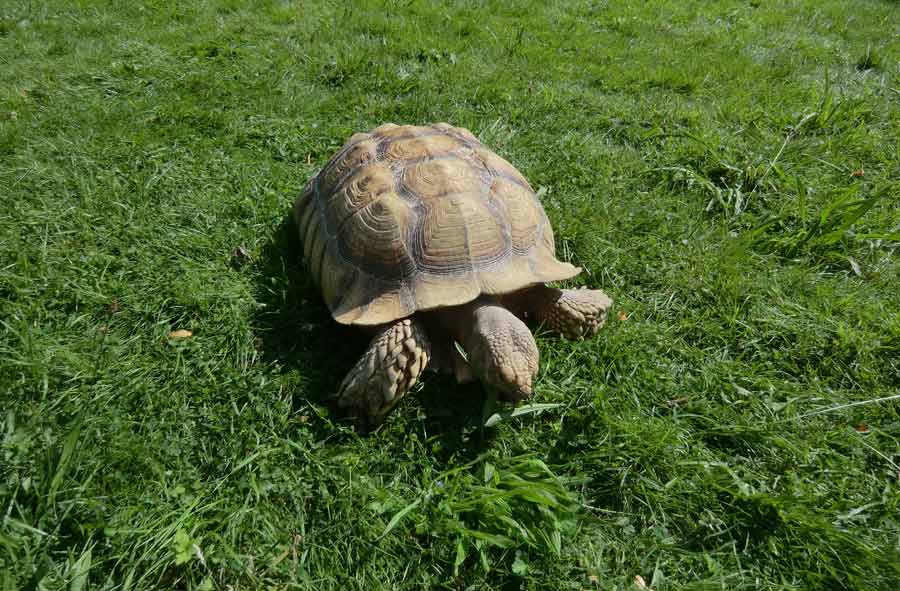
(571, 313)
(392, 364)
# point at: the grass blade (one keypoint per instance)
(80, 571)
(520, 411)
(399, 515)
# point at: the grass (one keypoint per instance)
(727, 171)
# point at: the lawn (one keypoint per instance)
(727, 171)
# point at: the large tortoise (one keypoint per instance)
(430, 239)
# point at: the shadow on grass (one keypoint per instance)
(296, 333)
(294, 330)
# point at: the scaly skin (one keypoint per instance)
(571, 313)
(392, 364)
(500, 348)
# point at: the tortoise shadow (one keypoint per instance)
(450, 415)
(296, 334)
(294, 331)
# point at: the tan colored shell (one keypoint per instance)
(406, 218)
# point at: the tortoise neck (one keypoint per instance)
(462, 322)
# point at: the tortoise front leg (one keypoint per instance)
(572, 313)
(396, 357)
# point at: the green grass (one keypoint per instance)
(728, 171)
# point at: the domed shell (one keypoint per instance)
(405, 219)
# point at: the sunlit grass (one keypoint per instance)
(727, 171)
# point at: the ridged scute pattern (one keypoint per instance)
(408, 218)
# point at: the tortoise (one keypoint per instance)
(433, 243)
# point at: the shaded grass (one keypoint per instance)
(727, 171)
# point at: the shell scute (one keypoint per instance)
(416, 147)
(459, 235)
(364, 186)
(433, 179)
(522, 211)
(352, 156)
(498, 166)
(375, 238)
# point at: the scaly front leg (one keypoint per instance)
(392, 364)
(572, 313)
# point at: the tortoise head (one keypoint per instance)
(502, 351)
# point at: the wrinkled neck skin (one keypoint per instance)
(500, 347)
(467, 323)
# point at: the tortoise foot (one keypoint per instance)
(572, 313)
